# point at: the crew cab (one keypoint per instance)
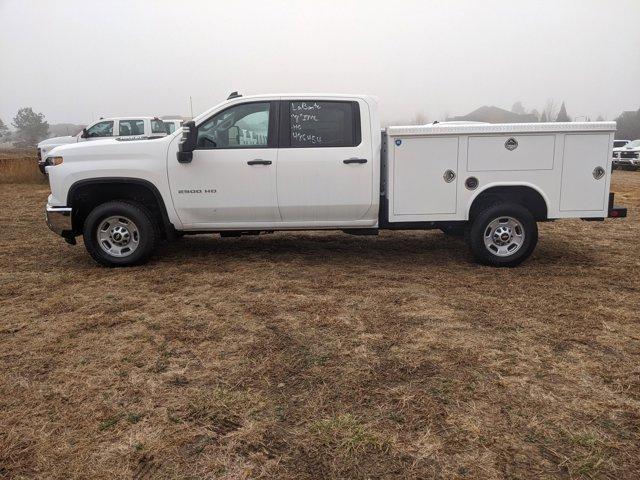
(125, 127)
(321, 162)
(628, 155)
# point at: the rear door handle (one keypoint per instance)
(354, 160)
(259, 162)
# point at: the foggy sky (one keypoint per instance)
(77, 60)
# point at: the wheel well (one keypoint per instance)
(526, 196)
(84, 196)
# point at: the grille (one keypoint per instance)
(628, 154)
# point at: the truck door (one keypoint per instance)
(99, 131)
(130, 128)
(325, 162)
(231, 181)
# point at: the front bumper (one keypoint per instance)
(41, 164)
(59, 220)
(626, 159)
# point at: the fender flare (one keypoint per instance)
(505, 184)
(168, 226)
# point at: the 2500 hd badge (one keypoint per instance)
(208, 190)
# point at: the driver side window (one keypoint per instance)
(101, 129)
(241, 126)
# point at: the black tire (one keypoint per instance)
(481, 228)
(146, 233)
(453, 231)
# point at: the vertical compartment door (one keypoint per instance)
(422, 177)
(582, 154)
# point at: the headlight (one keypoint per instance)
(53, 161)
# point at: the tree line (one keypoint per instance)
(550, 112)
(628, 123)
(31, 127)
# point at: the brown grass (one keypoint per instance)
(20, 166)
(301, 355)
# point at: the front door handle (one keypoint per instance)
(354, 160)
(259, 162)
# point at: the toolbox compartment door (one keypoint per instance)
(513, 152)
(419, 169)
(583, 153)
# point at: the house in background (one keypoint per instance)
(492, 114)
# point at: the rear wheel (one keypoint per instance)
(120, 234)
(503, 235)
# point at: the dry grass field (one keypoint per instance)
(19, 166)
(320, 355)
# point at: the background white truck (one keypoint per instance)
(300, 162)
(172, 124)
(130, 127)
(627, 155)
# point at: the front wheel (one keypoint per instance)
(120, 234)
(503, 235)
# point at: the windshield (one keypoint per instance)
(634, 144)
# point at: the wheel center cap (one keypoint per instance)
(502, 235)
(120, 236)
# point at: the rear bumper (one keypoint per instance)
(59, 220)
(615, 211)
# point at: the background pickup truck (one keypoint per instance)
(295, 162)
(628, 155)
(171, 125)
(129, 127)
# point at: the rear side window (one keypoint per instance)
(131, 127)
(157, 126)
(323, 124)
(170, 127)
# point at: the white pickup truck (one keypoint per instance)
(129, 127)
(321, 162)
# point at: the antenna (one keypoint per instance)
(233, 95)
(191, 105)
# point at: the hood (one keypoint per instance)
(112, 149)
(57, 141)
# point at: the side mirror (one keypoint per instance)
(234, 136)
(188, 142)
(84, 133)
